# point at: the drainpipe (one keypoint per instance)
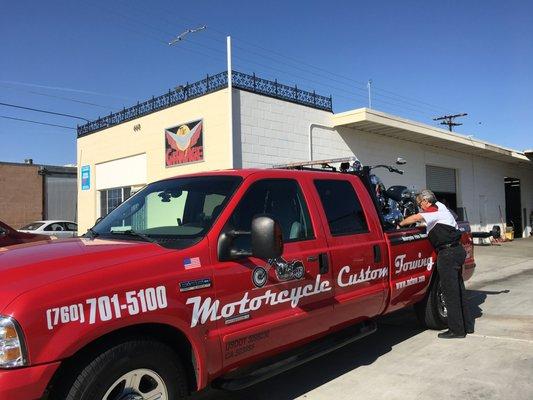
(42, 171)
(311, 126)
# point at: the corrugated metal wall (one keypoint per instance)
(441, 179)
(61, 197)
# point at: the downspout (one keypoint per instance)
(311, 126)
(42, 171)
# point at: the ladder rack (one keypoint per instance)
(325, 164)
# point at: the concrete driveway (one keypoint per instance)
(401, 361)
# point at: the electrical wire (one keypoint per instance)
(394, 102)
(150, 35)
(43, 111)
(37, 122)
(393, 96)
(412, 101)
(56, 97)
(363, 91)
(352, 95)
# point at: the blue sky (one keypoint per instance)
(425, 59)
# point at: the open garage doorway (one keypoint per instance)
(442, 182)
(513, 206)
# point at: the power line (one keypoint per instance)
(401, 103)
(88, 103)
(64, 89)
(391, 95)
(339, 89)
(37, 122)
(148, 34)
(44, 111)
(56, 97)
(395, 102)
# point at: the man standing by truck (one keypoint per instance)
(445, 237)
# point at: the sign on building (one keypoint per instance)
(184, 143)
(86, 177)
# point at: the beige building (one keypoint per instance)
(259, 123)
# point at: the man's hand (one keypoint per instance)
(412, 219)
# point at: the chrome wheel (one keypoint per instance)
(139, 384)
(441, 305)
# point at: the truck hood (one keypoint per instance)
(28, 266)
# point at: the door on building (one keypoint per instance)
(513, 205)
(442, 181)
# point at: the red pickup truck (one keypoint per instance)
(223, 278)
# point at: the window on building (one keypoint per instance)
(342, 207)
(112, 198)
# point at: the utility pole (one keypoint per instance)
(448, 120)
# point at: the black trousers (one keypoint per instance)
(449, 266)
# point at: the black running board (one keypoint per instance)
(286, 361)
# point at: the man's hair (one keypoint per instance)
(427, 195)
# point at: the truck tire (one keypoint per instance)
(431, 311)
(134, 370)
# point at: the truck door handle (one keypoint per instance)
(312, 258)
(377, 253)
(323, 263)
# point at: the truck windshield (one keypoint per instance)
(175, 213)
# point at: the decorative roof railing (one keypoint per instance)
(200, 88)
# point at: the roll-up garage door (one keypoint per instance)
(441, 180)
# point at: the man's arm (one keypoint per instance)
(412, 219)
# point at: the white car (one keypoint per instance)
(60, 229)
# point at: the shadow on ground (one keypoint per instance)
(392, 330)
(477, 297)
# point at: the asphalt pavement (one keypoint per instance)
(402, 361)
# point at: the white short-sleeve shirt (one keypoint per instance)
(440, 216)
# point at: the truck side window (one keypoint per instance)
(342, 207)
(281, 198)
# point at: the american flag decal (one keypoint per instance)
(193, 262)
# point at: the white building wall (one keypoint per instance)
(272, 131)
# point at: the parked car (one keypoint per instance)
(59, 229)
(223, 278)
(9, 236)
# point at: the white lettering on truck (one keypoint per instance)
(362, 276)
(208, 310)
(404, 266)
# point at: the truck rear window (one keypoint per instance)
(342, 207)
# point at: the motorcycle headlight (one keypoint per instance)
(12, 346)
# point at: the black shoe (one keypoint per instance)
(470, 331)
(450, 335)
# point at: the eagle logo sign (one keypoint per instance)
(184, 143)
